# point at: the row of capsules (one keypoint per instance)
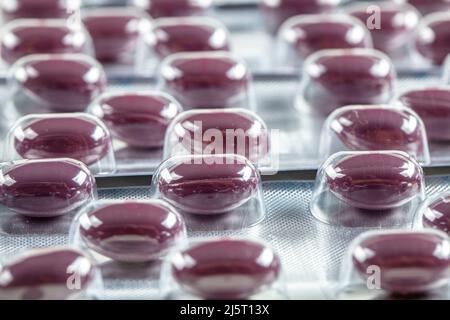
(58, 148)
(170, 70)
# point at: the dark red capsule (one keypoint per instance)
(174, 8)
(375, 181)
(26, 37)
(173, 35)
(75, 136)
(433, 38)
(42, 9)
(397, 25)
(233, 131)
(369, 128)
(409, 262)
(208, 185)
(437, 214)
(46, 188)
(139, 119)
(340, 77)
(46, 274)
(226, 269)
(277, 12)
(114, 32)
(57, 83)
(307, 34)
(428, 6)
(206, 80)
(433, 106)
(132, 231)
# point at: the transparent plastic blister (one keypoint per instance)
(115, 32)
(23, 37)
(37, 9)
(183, 34)
(220, 131)
(79, 136)
(137, 118)
(303, 35)
(55, 273)
(430, 41)
(52, 83)
(396, 264)
(207, 80)
(174, 8)
(394, 31)
(368, 189)
(212, 192)
(371, 128)
(434, 213)
(338, 77)
(223, 268)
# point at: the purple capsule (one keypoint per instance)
(433, 38)
(57, 83)
(371, 128)
(433, 106)
(46, 274)
(375, 181)
(206, 80)
(46, 188)
(132, 231)
(77, 136)
(437, 214)
(42, 9)
(428, 6)
(240, 131)
(306, 34)
(226, 269)
(173, 35)
(174, 8)
(277, 12)
(31, 36)
(397, 25)
(208, 185)
(340, 77)
(139, 119)
(410, 262)
(114, 32)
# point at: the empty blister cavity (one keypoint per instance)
(173, 8)
(207, 80)
(48, 274)
(79, 136)
(275, 12)
(431, 42)
(212, 192)
(115, 32)
(340, 77)
(54, 83)
(140, 119)
(21, 38)
(368, 189)
(371, 128)
(432, 104)
(128, 231)
(39, 9)
(223, 269)
(393, 32)
(45, 188)
(303, 35)
(186, 34)
(381, 264)
(219, 131)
